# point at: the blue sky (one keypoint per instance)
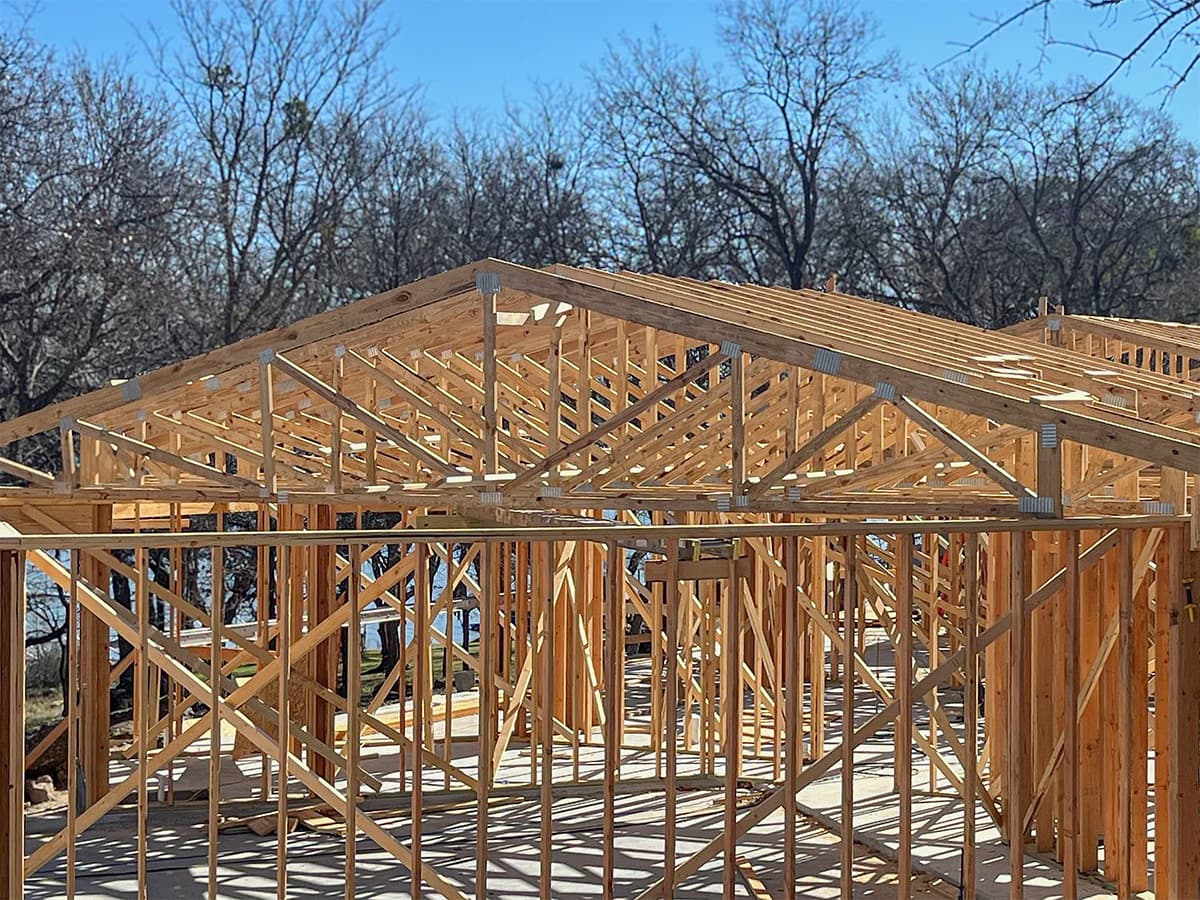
(472, 54)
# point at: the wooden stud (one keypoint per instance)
(1183, 790)
(1018, 690)
(671, 704)
(731, 712)
(216, 662)
(73, 720)
(737, 439)
(904, 722)
(490, 418)
(1070, 822)
(353, 675)
(849, 598)
(793, 752)
(488, 645)
(970, 712)
(422, 688)
(546, 726)
(1124, 761)
(283, 645)
(614, 634)
(12, 709)
(141, 701)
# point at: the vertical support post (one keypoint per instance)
(266, 402)
(1125, 676)
(262, 603)
(794, 685)
(1165, 623)
(849, 598)
(671, 704)
(816, 656)
(353, 715)
(737, 390)
(970, 711)
(546, 699)
(141, 702)
(554, 396)
(934, 622)
(613, 634)
(335, 422)
(1018, 690)
(66, 447)
(217, 621)
(72, 720)
(1183, 794)
(12, 714)
(488, 640)
(731, 710)
(283, 643)
(1050, 470)
(95, 710)
(1070, 822)
(421, 688)
(321, 597)
(489, 286)
(904, 722)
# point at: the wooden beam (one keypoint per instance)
(1183, 795)
(615, 421)
(364, 415)
(12, 715)
(965, 448)
(394, 307)
(26, 473)
(490, 422)
(1070, 785)
(810, 447)
(904, 723)
(182, 463)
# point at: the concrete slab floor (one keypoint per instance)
(177, 863)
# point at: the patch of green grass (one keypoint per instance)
(42, 708)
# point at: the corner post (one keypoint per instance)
(12, 715)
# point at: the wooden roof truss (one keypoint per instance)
(574, 389)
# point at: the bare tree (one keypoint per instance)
(277, 96)
(765, 136)
(1167, 32)
(994, 193)
(91, 200)
(399, 221)
(661, 213)
(522, 190)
